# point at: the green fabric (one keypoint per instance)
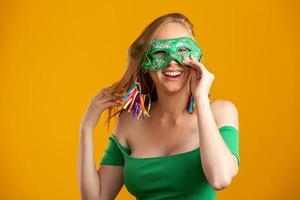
(177, 177)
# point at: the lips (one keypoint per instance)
(172, 70)
(173, 74)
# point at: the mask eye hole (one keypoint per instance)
(183, 50)
(159, 53)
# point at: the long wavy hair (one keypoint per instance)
(135, 54)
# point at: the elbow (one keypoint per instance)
(87, 195)
(223, 180)
(221, 183)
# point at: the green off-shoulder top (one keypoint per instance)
(173, 177)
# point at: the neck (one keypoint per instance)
(171, 107)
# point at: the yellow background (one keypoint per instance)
(56, 55)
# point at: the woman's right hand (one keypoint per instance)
(99, 103)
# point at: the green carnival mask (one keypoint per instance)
(161, 52)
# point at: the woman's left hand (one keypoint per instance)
(201, 79)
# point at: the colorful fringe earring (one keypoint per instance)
(134, 100)
(191, 104)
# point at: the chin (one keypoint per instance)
(173, 88)
(173, 85)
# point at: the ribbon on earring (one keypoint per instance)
(191, 104)
(134, 100)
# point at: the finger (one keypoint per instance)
(104, 92)
(101, 100)
(106, 88)
(195, 74)
(190, 77)
(199, 64)
(195, 62)
(111, 104)
(190, 63)
(101, 92)
(112, 98)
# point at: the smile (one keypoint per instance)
(173, 75)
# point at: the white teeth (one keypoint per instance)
(176, 73)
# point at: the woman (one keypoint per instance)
(185, 146)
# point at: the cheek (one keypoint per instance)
(154, 75)
(187, 71)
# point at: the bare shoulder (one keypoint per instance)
(225, 112)
(124, 123)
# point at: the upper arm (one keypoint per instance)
(111, 173)
(111, 181)
(226, 113)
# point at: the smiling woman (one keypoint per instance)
(184, 146)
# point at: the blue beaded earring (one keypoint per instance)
(191, 103)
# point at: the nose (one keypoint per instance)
(173, 62)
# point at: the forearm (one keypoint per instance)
(89, 182)
(216, 158)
